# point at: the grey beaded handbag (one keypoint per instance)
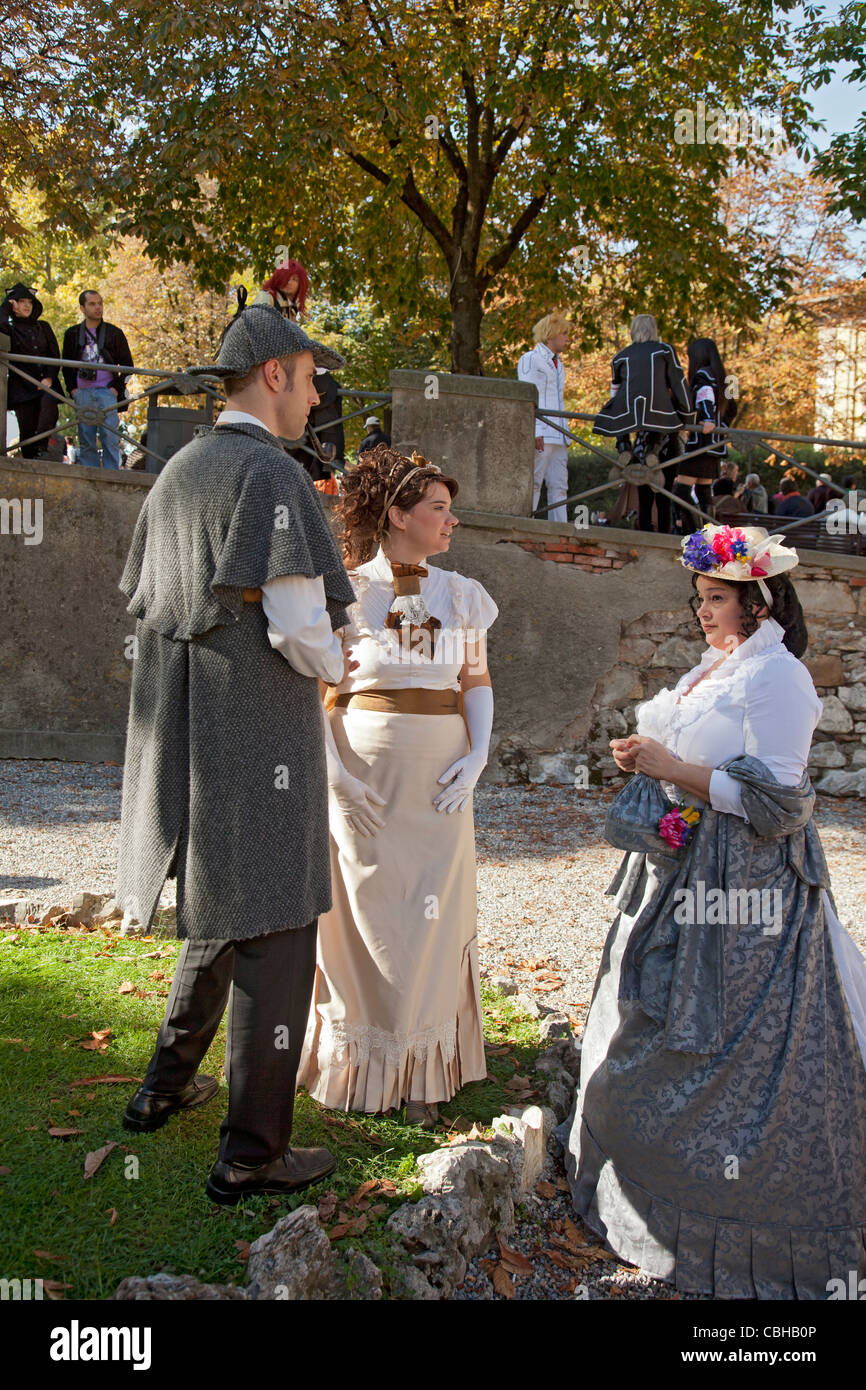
(632, 820)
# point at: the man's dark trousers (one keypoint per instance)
(271, 984)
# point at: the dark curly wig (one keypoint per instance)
(786, 609)
(365, 489)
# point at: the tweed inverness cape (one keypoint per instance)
(224, 779)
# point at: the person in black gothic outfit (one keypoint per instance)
(35, 411)
(714, 408)
(650, 398)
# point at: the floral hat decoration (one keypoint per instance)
(739, 553)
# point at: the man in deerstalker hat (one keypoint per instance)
(238, 586)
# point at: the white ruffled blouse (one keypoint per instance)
(462, 605)
(760, 699)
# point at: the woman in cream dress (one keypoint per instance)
(396, 1015)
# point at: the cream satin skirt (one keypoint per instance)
(396, 1013)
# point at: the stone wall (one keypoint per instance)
(63, 641)
(591, 622)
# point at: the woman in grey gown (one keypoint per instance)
(719, 1139)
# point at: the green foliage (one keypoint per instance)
(439, 157)
(59, 987)
(826, 45)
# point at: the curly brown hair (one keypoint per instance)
(365, 490)
(786, 608)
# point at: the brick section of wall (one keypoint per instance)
(587, 555)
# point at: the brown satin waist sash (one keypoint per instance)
(408, 701)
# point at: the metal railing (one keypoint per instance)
(166, 380)
(640, 475)
(180, 382)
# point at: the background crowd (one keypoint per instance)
(673, 421)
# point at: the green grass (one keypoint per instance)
(164, 1221)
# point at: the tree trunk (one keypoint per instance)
(466, 316)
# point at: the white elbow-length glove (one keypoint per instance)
(355, 801)
(463, 775)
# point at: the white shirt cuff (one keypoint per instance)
(726, 794)
(299, 627)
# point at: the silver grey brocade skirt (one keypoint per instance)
(740, 1174)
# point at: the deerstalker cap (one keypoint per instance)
(256, 335)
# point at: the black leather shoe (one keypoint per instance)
(147, 1110)
(296, 1169)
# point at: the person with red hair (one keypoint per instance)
(286, 290)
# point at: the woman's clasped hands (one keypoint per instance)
(639, 754)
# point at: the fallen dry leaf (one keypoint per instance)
(547, 986)
(94, 1046)
(54, 1288)
(561, 1184)
(502, 1282)
(362, 1191)
(4, 1170)
(327, 1205)
(572, 1234)
(337, 1232)
(111, 1212)
(106, 1080)
(243, 1249)
(47, 1255)
(564, 1261)
(333, 1123)
(126, 988)
(545, 1189)
(97, 1157)
(57, 1132)
(512, 1260)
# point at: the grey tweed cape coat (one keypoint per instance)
(224, 782)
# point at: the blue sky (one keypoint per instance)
(839, 105)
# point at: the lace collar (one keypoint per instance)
(768, 637)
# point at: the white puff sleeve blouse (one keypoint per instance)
(759, 699)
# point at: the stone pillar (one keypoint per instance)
(5, 344)
(478, 429)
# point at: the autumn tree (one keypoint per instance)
(50, 130)
(438, 151)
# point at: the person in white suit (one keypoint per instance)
(543, 366)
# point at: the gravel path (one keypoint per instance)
(542, 871)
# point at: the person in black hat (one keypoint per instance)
(238, 587)
(21, 319)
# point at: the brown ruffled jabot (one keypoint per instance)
(408, 613)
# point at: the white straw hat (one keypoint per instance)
(739, 553)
